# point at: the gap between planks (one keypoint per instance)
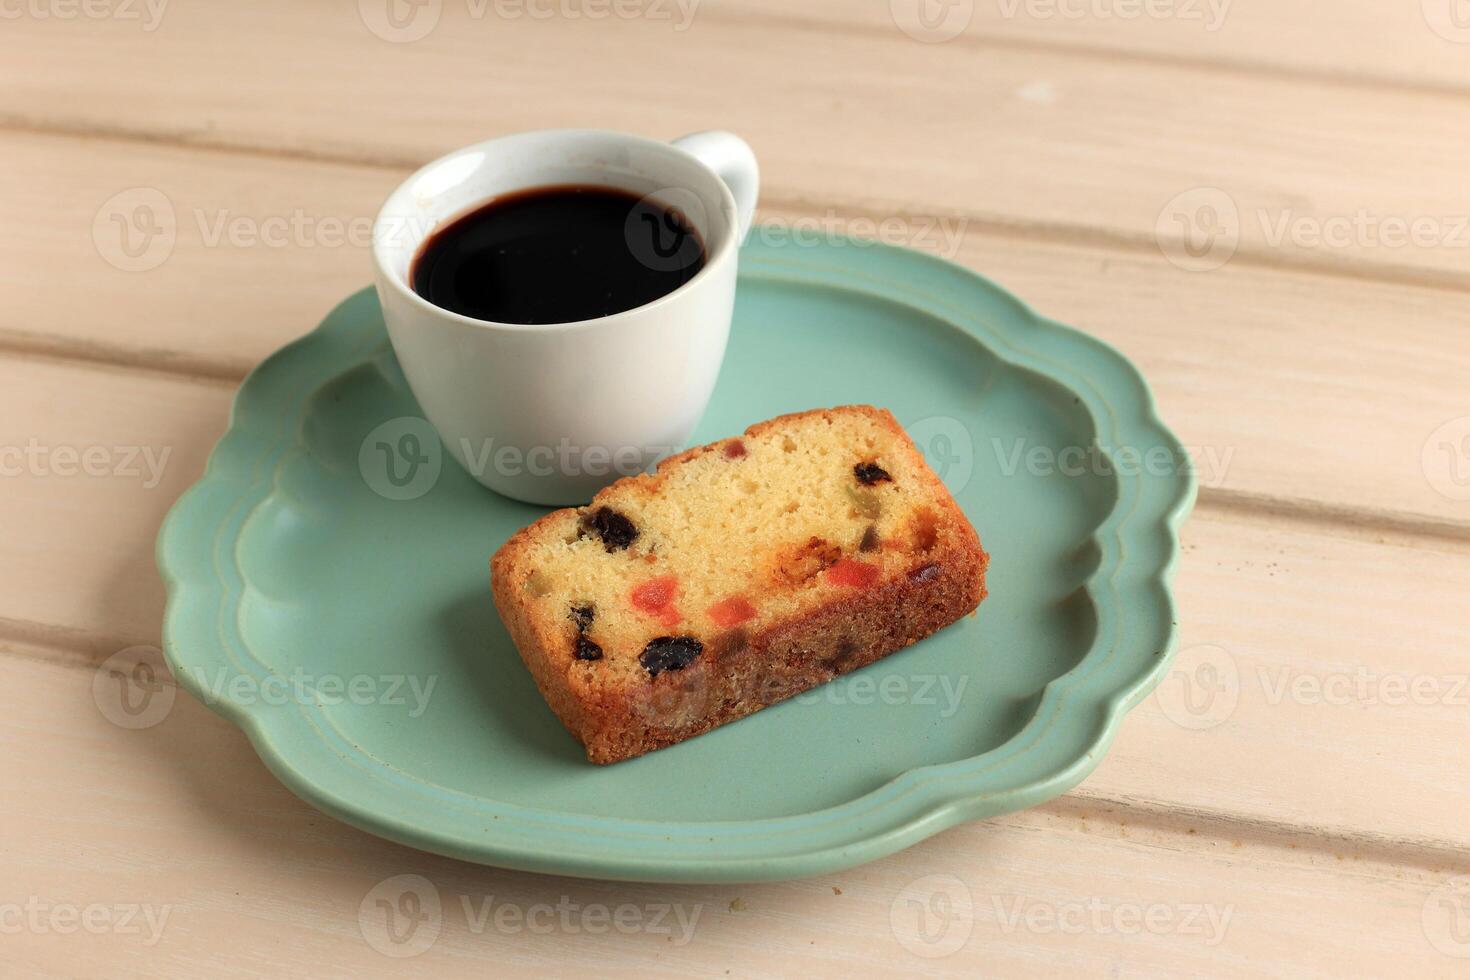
(996, 225)
(983, 39)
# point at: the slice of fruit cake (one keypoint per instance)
(737, 575)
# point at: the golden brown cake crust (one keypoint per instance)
(741, 670)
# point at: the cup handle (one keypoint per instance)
(732, 158)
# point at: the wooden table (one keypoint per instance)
(1261, 202)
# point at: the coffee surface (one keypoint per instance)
(556, 255)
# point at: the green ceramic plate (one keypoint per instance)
(340, 613)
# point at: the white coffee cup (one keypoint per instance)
(551, 413)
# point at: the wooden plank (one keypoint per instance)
(263, 247)
(92, 461)
(196, 262)
(1312, 664)
(1289, 604)
(220, 871)
(1047, 141)
(1357, 42)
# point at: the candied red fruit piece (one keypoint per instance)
(854, 573)
(655, 594)
(669, 653)
(734, 449)
(732, 611)
(870, 473)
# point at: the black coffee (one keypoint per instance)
(557, 254)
